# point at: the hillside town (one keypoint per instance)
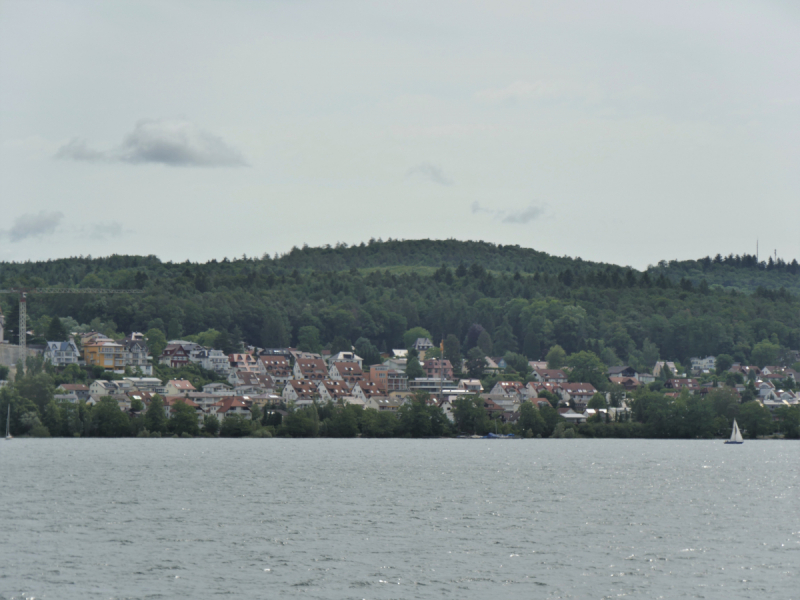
(282, 379)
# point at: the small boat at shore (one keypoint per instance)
(736, 435)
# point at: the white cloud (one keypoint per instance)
(429, 172)
(34, 225)
(518, 216)
(167, 142)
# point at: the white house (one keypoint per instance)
(178, 387)
(300, 391)
(61, 354)
(348, 357)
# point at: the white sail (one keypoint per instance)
(736, 435)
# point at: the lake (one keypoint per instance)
(380, 519)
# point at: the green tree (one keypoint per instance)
(530, 419)
(598, 401)
(418, 418)
(724, 362)
(156, 342)
(235, 426)
(183, 419)
(556, 357)
(754, 419)
(56, 332)
(308, 339)
(518, 362)
(765, 353)
(476, 363)
(211, 424)
(485, 343)
(411, 336)
(413, 368)
(587, 367)
(469, 416)
(504, 338)
(155, 418)
(108, 420)
(789, 419)
(452, 352)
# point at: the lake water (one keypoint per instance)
(217, 518)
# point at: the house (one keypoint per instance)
(170, 402)
(471, 386)
(347, 357)
(80, 390)
(232, 405)
(105, 353)
(629, 383)
(146, 384)
(277, 367)
(571, 416)
(365, 390)
(178, 387)
(389, 380)
(446, 407)
(646, 378)
(747, 371)
(491, 366)
(62, 354)
(212, 360)
(70, 397)
(349, 372)
(259, 382)
(699, 365)
(691, 385)
(333, 390)
(244, 362)
(537, 364)
(578, 394)
(383, 403)
(399, 353)
(422, 344)
(549, 376)
(533, 389)
(435, 367)
(300, 391)
(659, 366)
(508, 389)
(623, 371)
(397, 364)
(218, 389)
(136, 353)
(101, 387)
(310, 368)
(431, 385)
(175, 356)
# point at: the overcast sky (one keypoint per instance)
(626, 131)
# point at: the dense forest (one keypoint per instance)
(526, 301)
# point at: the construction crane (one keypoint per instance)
(23, 303)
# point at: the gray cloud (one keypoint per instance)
(166, 142)
(105, 230)
(522, 216)
(526, 215)
(78, 150)
(30, 225)
(428, 172)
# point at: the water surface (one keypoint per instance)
(203, 518)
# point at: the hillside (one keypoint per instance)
(526, 300)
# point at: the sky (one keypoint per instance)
(618, 131)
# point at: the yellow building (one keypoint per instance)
(105, 353)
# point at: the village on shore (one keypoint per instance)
(287, 379)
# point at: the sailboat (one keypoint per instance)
(736, 435)
(8, 423)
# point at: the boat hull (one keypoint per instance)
(730, 442)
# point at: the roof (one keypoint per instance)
(182, 384)
(74, 387)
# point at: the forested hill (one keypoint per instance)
(526, 301)
(744, 273)
(432, 253)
